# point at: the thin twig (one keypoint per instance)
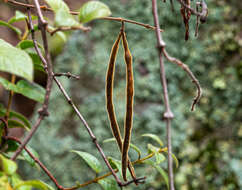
(190, 74)
(68, 28)
(168, 115)
(68, 75)
(43, 112)
(119, 19)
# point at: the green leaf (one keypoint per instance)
(30, 90)
(93, 10)
(90, 160)
(160, 170)
(136, 149)
(35, 184)
(14, 114)
(16, 30)
(14, 124)
(8, 166)
(8, 85)
(15, 61)
(38, 65)
(115, 164)
(25, 44)
(154, 137)
(175, 159)
(28, 158)
(158, 156)
(108, 184)
(109, 140)
(19, 16)
(62, 13)
(15, 180)
(12, 146)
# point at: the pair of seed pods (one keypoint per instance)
(122, 144)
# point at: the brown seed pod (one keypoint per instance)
(129, 104)
(109, 100)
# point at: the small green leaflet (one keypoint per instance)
(25, 44)
(30, 90)
(38, 65)
(16, 30)
(90, 160)
(19, 16)
(116, 164)
(93, 10)
(35, 184)
(12, 146)
(15, 180)
(14, 114)
(14, 124)
(108, 184)
(154, 137)
(62, 13)
(8, 166)
(175, 159)
(158, 156)
(28, 158)
(15, 61)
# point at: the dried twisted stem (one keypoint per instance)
(190, 74)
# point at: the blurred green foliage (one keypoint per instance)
(207, 142)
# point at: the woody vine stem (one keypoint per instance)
(43, 112)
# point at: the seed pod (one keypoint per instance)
(109, 100)
(109, 92)
(129, 104)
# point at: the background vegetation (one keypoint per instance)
(207, 142)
